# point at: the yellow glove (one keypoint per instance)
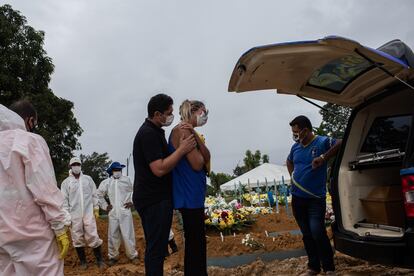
(62, 240)
(96, 213)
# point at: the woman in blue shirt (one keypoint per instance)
(189, 185)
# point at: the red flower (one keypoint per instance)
(224, 215)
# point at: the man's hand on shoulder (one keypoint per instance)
(186, 126)
(186, 143)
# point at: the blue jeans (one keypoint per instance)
(310, 216)
(156, 221)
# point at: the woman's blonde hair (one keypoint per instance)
(187, 108)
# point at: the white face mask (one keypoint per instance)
(117, 174)
(202, 119)
(295, 137)
(169, 120)
(76, 169)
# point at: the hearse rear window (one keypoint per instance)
(388, 133)
(337, 74)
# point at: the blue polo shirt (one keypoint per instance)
(312, 181)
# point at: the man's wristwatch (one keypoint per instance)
(323, 157)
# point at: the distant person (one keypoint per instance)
(189, 185)
(33, 222)
(81, 201)
(307, 165)
(119, 189)
(152, 185)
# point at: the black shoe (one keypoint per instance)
(112, 262)
(134, 261)
(82, 257)
(98, 255)
(173, 246)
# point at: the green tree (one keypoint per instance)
(238, 170)
(265, 158)
(95, 166)
(251, 161)
(334, 120)
(217, 179)
(25, 72)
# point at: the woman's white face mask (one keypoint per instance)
(76, 169)
(202, 119)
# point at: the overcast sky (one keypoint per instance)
(110, 57)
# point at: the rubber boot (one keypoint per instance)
(112, 262)
(173, 246)
(98, 255)
(82, 257)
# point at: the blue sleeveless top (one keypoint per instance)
(189, 186)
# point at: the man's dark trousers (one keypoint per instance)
(156, 221)
(310, 216)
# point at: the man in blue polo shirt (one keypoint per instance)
(307, 165)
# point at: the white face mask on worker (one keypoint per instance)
(76, 169)
(117, 175)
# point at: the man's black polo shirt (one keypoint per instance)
(150, 145)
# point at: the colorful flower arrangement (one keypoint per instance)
(230, 217)
(254, 199)
(329, 214)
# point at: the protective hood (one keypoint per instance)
(9, 120)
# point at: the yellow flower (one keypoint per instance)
(222, 224)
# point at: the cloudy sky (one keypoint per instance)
(110, 57)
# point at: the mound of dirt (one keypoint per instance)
(345, 265)
(231, 245)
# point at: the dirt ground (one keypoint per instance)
(230, 246)
(345, 265)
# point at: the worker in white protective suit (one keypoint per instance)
(33, 222)
(119, 189)
(81, 201)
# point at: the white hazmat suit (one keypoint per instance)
(121, 225)
(31, 205)
(80, 201)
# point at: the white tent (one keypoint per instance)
(258, 176)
